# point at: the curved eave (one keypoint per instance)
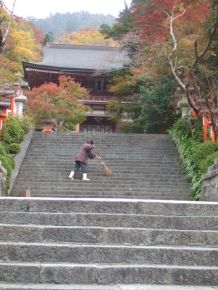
(48, 68)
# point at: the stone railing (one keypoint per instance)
(20, 157)
(210, 183)
(3, 175)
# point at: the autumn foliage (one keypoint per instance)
(86, 37)
(60, 102)
(152, 20)
(23, 42)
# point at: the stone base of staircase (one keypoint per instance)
(108, 244)
(97, 287)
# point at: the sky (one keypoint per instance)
(43, 8)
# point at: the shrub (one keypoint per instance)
(14, 148)
(2, 149)
(205, 163)
(201, 151)
(7, 164)
(26, 123)
(12, 135)
(12, 131)
(190, 127)
(195, 157)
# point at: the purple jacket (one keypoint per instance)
(85, 153)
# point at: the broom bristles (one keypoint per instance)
(107, 170)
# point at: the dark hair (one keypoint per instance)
(90, 142)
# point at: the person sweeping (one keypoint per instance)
(86, 152)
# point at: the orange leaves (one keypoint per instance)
(8, 70)
(60, 102)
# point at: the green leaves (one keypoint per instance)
(195, 157)
(158, 112)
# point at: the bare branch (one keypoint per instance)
(179, 15)
(170, 57)
(211, 38)
(172, 34)
(9, 24)
(177, 79)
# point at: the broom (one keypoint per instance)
(107, 170)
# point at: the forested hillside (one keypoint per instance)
(59, 24)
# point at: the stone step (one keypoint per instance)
(112, 220)
(76, 184)
(163, 170)
(100, 192)
(68, 149)
(107, 254)
(61, 177)
(154, 193)
(107, 182)
(31, 233)
(119, 163)
(130, 195)
(65, 195)
(43, 286)
(102, 205)
(141, 189)
(60, 273)
(116, 163)
(144, 166)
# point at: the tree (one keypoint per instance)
(6, 20)
(125, 111)
(184, 33)
(158, 106)
(49, 37)
(60, 102)
(86, 36)
(8, 71)
(123, 25)
(19, 40)
(60, 24)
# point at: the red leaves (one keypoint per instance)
(152, 19)
(56, 101)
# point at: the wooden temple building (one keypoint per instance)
(88, 65)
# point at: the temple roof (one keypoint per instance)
(84, 57)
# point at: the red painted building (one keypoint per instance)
(88, 65)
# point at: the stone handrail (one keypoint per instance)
(210, 183)
(20, 157)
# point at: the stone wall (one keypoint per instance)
(210, 183)
(3, 175)
(20, 157)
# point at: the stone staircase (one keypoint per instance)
(99, 244)
(135, 230)
(144, 166)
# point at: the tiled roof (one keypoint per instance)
(84, 57)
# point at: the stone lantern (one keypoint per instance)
(20, 99)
